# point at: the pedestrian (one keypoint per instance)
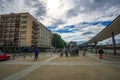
(84, 51)
(77, 52)
(61, 53)
(36, 52)
(70, 51)
(100, 53)
(66, 52)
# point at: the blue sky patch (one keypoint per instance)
(72, 28)
(105, 23)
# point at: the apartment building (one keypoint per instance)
(45, 37)
(22, 30)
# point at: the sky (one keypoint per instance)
(74, 20)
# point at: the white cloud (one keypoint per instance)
(83, 32)
(56, 9)
(62, 13)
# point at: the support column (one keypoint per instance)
(114, 44)
(96, 47)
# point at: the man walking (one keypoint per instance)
(36, 52)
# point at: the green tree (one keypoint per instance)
(58, 42)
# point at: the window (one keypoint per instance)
(18, 19)
(8, 20)
(13, 19)
(23, 37)
(16, 32)
(12, 16)
(23, 43)
(23, 32)
(3, 20)
(7, 26)
(24, 17)
(23, 22)
(13, 23)
(23, 27)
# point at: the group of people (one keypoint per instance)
(71, 52)
(75, 52)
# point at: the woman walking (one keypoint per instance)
(100, 53)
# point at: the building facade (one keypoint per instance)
(45, 37)
(72, 44)
(22, 30)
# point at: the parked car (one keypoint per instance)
(4, 56)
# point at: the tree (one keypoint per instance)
(58, 42)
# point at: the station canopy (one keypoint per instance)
(106, 33)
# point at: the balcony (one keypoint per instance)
(12, 28)
(1, 43)
(6, 38)
(17, 23)
(7, 28)
(1, 31)
(16, 44)
(11, 31)
(17, 29)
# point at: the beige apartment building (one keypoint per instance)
(22, 30)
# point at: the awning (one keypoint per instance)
(106, 33)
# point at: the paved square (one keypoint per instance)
(75, 59)
(41, 57)
(53, 67)
(10, 69)
(74, 73)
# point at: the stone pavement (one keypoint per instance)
(28, 70)
(89, 60)
(111, 63)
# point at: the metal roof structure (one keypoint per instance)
(106, 33)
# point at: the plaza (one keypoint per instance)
(54, 67)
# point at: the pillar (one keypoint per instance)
(96, 47)
(114, 44)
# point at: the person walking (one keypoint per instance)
(61, 53)
(36, 52)
(100, 53)
(84, 51)
(66, 52)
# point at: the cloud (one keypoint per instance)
(39, 7)
(82, 31)
(88, 33)
(35, 7)
(67, 29)
(58, 22)
(5, 5)
(93, 6)
(77, 20)
(83, 27)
